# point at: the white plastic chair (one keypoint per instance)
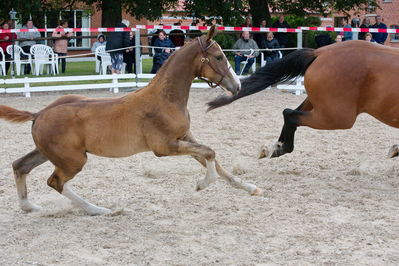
(2, 63)
(263, 60)
(44, 55)
(105, 59)
(18, 52)
(246, 62)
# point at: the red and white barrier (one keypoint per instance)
(220, 28)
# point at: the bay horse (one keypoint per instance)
(154, 118)
(342, 80)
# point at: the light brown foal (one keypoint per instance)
(154, 118)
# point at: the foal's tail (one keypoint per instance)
(14, 115)
(290, 66)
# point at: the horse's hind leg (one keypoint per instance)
(22, 168)
(59, 180)
(285, 143)
(234, 181)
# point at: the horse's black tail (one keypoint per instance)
(290, 66)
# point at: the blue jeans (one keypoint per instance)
(237, 64)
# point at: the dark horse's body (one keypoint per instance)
(342, 80)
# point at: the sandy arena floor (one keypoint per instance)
(334, 200)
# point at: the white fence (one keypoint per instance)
(113, 82)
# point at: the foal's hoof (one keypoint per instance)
(393, 151)
(98, 211)
(264, 152)
(30, 207)
(257, 192)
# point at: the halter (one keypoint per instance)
(205, 59)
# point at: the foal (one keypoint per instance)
(154, 118)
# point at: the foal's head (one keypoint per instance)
(214, 66)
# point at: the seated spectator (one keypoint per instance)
(369, 37)
(270, 43)
(338, 38)
(101, 41)
(61, 43)
(177, 40)
(161, 54)
(245, 44)
(117, 41)
(7, 40)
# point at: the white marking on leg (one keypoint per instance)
(87, 206)
(25, 205)
(210, 177)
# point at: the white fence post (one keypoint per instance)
(115, 89)
(26, 87)
(299, 39)
(138, 62)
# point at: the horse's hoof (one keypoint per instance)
(257, 192)
(393, 151)
(264, 152)
(30, 207)
(99, 211)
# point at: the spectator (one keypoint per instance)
(355, 23)
(30, 40)
(161, 54)
(61, 43)
(365, 25)
(338, 38)
(101, 41)
(260, 37)
(154, 37)
(369, 37)
(194, 33)
(377, 36)
(117, 41)
(177, 40)
(348, 35)
(245, 44)
(282, 38)
(247, 22)
(270, 43)
(7, 38)
(129, 56)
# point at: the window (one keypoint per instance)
(394, 36)
(76, 19)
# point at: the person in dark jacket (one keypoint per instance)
(365, 25)
(270, 43)
(379, 37)
(281, 37)
(129, 56)
(177, 40)
(118, 40)
(161, 54)
(260, 37)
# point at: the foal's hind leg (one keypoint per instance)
(22, 168)
(234, 181)
(285, 143)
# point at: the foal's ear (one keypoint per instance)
(211, 33)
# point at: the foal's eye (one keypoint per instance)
(219, 58)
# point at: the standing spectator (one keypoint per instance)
(161, 54)
(260, 37)
(348, 35)
(247, 22)
(377, 36)
(365, 25)
(117, 41)
(194, 33)
(6, 37)
(270, 43)
(129, 56)
(244, 44)
(282, 38)
(101, 41)
(355, 23)
(61, 43)
(177, 40)
(30, 40)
